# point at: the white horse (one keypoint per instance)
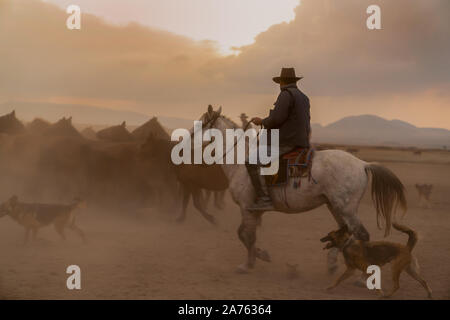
(340, 180)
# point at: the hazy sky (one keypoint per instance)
(228, 22)
(401, 71)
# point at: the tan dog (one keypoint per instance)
(424, 191)
(34, 216)
(359, 255)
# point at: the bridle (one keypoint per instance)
(210, 122)
(213, 121)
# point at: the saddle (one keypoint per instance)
(296, 164)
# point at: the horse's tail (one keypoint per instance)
(387, 193)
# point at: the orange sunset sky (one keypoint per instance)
(174, 57)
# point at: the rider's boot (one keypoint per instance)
(263, 201)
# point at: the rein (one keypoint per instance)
(213, 120)
(237, 141)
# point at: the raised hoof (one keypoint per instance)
(242, 269)
(263, 255)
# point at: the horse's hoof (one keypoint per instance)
(263, 255)
(242, 269)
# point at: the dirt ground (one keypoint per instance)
(152, 258)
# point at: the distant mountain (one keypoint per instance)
(373, 130)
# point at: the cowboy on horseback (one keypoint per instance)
(291, 115)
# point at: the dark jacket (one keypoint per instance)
(291, 116)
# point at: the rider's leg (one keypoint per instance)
(263, 201)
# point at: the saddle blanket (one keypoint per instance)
(296, 164)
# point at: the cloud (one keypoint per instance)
(329, 43)
(348, 69)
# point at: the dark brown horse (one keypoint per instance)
(38, 126)
(9, 124)
(89, 133)
(62, 128)
(192, 178)
(151, 127)
(115, 134)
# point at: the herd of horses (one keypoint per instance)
(116, 169)
(113, 168)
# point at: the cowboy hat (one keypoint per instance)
(288, 75)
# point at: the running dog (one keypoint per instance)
(360, 254)
(33, 216)
(424, 191)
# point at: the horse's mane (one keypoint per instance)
(234, 124)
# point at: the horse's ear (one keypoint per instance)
(69, 120)
(13, 113)
(219, 111)
(123, 124)
(210, 109)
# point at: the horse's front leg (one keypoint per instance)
(207, 196)
(247, 235)
(219, 199)
(198, 203)
(186, 193)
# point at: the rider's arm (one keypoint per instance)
(280, 113)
